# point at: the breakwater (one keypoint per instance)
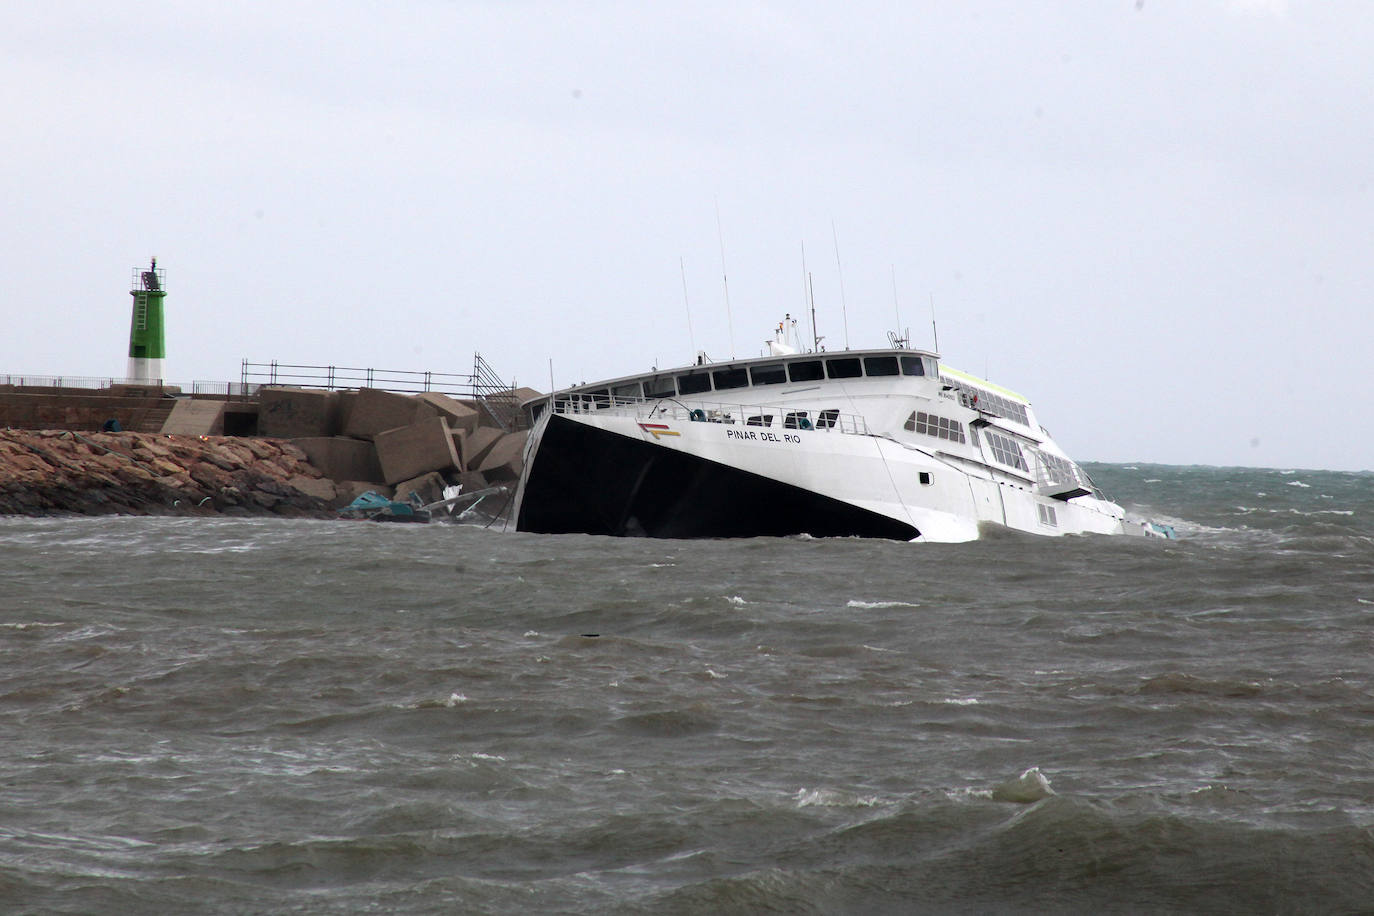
(286, 451)
(50, 472)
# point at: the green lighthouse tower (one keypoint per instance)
(147, 349)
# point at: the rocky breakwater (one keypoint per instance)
(53, 472)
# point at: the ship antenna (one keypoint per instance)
(686, 302)
(725, 281)
(934, 330)
(844, 308)
(895, 310)
(815, 338)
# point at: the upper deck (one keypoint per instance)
(879, 373)
(763, 372)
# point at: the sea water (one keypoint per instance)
(252, 715)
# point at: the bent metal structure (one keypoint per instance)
(871, 443)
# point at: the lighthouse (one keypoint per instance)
(146, 346)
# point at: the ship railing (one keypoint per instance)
(753, 415)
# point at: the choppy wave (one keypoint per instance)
(265, 715)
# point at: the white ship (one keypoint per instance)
(882, 443)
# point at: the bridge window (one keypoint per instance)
(844, 367)
(880, 365)
(911, 365)
(659, 388)
(827, 419)
(807, 371)
(731, 378)
(693, 384)
(763, 419)
(626, 391)
(796, 420)
(769, 375)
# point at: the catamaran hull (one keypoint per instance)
(601, 473)
(584, 478)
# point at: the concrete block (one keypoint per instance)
(476, 444)
(314, 486)
(460, 416)
(472, 481)
(429, 487)
(506, 458)
(295, 413)
(375, 411)
(410, 451)
(195, 418)
(342, 458)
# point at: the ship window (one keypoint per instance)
(929, 424)
(1006, 450)
(1053, 469)
(844, 367)
(826, 419)
(626, 391)
(978, 399)
(797, 419)
(731, 378)
(659, 388)
(807, 371)
(763, 419)
(911, 365)
(926, 478)
(880, 365)
(769, 375)
(693, 384)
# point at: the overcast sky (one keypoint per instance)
(1152, 218)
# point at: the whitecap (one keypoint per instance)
(832, 798)
(736, 600)
(1030, 786)
(715, 676)
(530, 634)
(960, 701)
(454, 699)
(854, 602)
(1299, 483)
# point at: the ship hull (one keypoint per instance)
(583, 477)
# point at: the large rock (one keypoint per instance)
(375, 411)
(459, 415)
(416, 449)
(295, 413)
(506, 458)
(341, 458)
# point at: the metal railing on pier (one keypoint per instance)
(483, 385)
